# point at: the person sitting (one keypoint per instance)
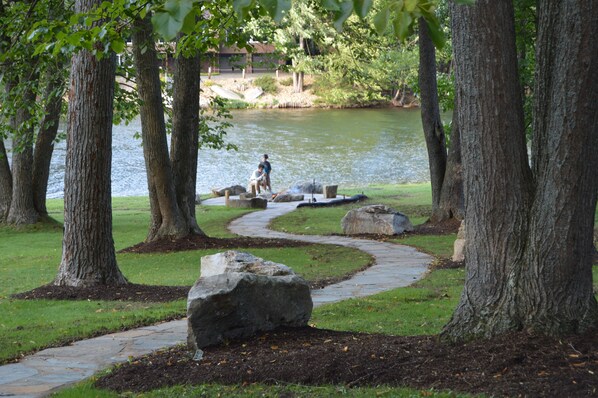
(258, 179)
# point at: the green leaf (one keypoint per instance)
(178, 9)
(362, 7)
(381, 20)
(189, 23)
(276, 8)
(401, 25)
(341, 16)
(435, 31)
(241, 7)
(117, 45)
(331, 5)
(166, 26)
(410, 5)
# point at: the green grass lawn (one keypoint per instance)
(29, 257)
(423, 308)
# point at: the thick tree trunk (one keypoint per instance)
(88, 256)
(5, 184)
(556, 286)
(497, 178)
(22, 211)
(430, 113)
(44, 145)
(529, 240)
(185, 136)
(167, 219)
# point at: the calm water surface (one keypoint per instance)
(345, 147)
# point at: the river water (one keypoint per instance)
(344, 147)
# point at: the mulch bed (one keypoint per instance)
(130, 292)
(512, 365)
(205, 242)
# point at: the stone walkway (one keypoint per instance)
(48, 370)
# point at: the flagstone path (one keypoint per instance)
(48, 370)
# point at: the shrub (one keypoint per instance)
(286, 81)
(266, 83)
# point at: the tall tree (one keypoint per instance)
(184, 142)
(529, 230)
(166, 216)
(430, 113)
(44, 144)
(88, 256)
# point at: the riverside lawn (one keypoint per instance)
(29, 258)
(419, 309)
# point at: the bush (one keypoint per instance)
(266, 83)
(286, 81)
(207, 83)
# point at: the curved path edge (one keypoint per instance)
(46, 371)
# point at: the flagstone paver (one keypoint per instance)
(44, 372)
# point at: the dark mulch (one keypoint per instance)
(131, 292)
(513, 365)
(204, 242)
(450, 226)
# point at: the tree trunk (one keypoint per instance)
(22, 211)
(167, 219)
(529, 240)
(184, 142)
(451, 203)
(88, 256)
(298, 77)
(44, 145)
(556, 285)
(497, 178)
(5, 184)
(430, 113)
(5, 175)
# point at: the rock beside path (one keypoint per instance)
(375, 219)
(250, 295)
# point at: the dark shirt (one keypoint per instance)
(267, 166)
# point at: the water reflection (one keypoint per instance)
(332, 146)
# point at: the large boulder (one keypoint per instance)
(288, 197)
(233, 190)
(375, 219)
(238, 295)
(305, 187)
(253, 203)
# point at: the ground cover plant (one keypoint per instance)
(30, 257)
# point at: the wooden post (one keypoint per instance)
(253, 188)
(243, 73)
(209, 72)
(226, 197)
(277, 74)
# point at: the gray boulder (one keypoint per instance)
(253, 203)
(251, 295)
(375, 219)
(287, 197)
(305, 187)
(233, 190)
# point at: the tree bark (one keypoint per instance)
(452, 203)
(556, 286)
(167, 219)
(529, 239)
(497, 178)
(298, 77)
(44, 145)
(22, 211)
(88, 256)
(5, 184)
(5, 176)
(430, 113)
(184, 142)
